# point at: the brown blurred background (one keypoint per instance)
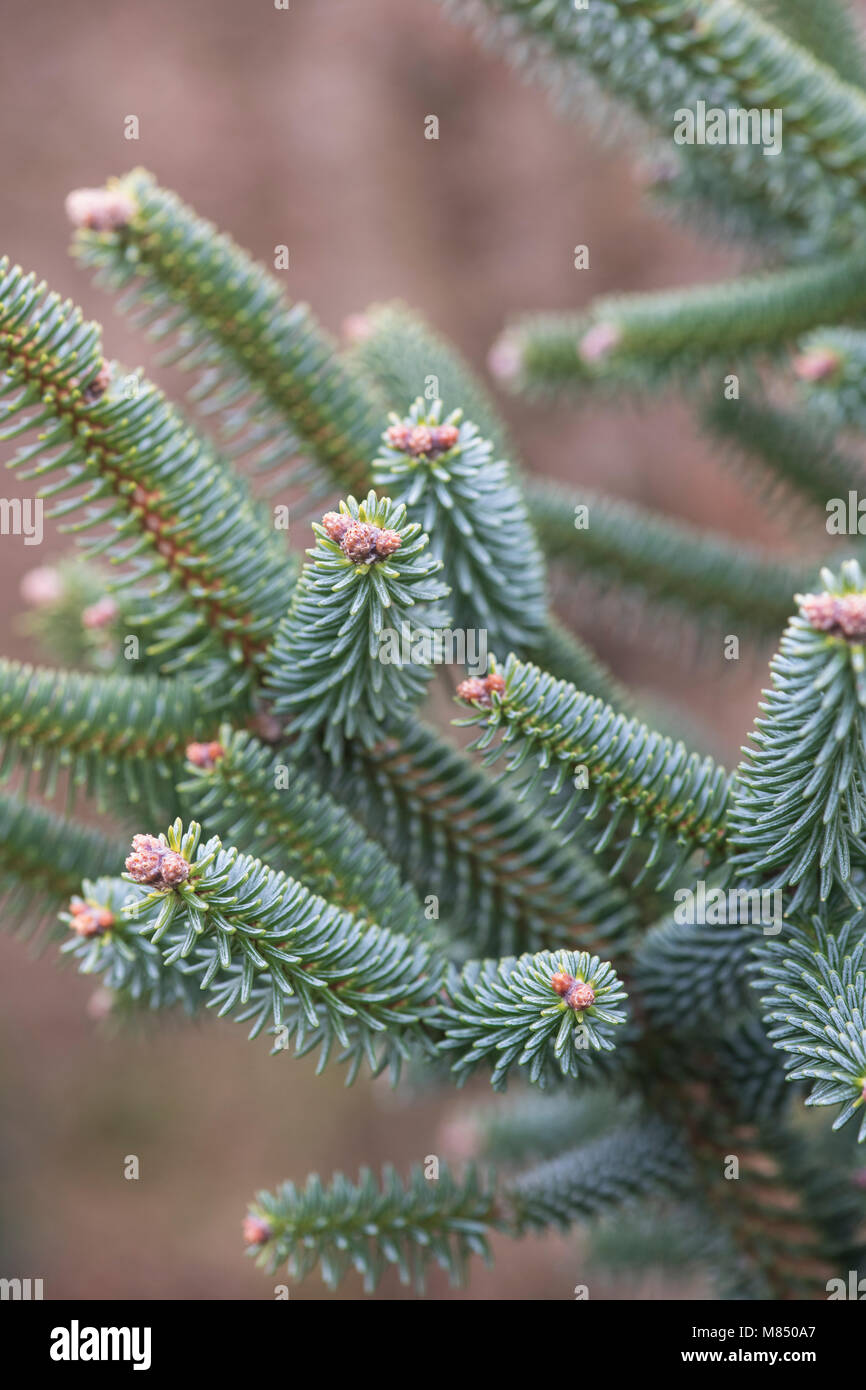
(306, 127)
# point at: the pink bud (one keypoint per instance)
(100, 209)
(99, 614)
(356, 328)
(41, 587)
(599, 341)
(817, 363)
(505, 359)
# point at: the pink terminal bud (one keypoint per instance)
(99, 614)
(41, 587)
(599, 341)
(505, 359)
(575, 993)
(817, 364)
(842, 615)
(100, 209)
(256, 1231)
(356, 328)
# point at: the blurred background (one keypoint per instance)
(305, 127)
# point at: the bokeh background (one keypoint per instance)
(306, 127)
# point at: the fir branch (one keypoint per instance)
(229, 320)
(402, 358)
(794, 455)
(817, 1006)
(42, 859)
(131, 967)
(269, 951)
(104, 731)
(708, 964)
(829, 32)
(551, 1013)
(670, 796)
(628, 1165)
(830, 365)
(791, 1223)
(444, 472)
(246, 794)
(337, 665)
(496, 875)
(640, 339)
(656, 57)
(689, 572)
(372, 1225)
(539, 1125)
(196, 553)
(796, 819)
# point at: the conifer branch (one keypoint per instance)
(246, 794)
(337, 666)
(817, 1006)
(444, 473)
(830, 33)
(42, 859)
(708, 963)
(212, 581)
(691, 573)
(370, 1225)
(641, 339)
(797, 815)
(794, 456)
(663, 795)
(402, 357)
(105, 943)
(656, 56)
(552, 1013)
(229, 320)
(497, 876)
(103, 731)
(647, 1158)
(271, 953)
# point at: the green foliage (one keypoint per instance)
(650, 784)
(507, 1013)
(271, 953)
(475, 516)
(127, 963)
(655, 57)
(99, 730)
(640, 339)
(794, 457)
(42, 859)
(370, 1225)
(249, 795)
(332, 814)
(708, 964)
(401, 357)
(688, 572)
(337, 666)
(210, 579)
(228, 320)
(828, 31)
(817, 1004)
(601, 1175)
(798, 807)
(499, 878)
